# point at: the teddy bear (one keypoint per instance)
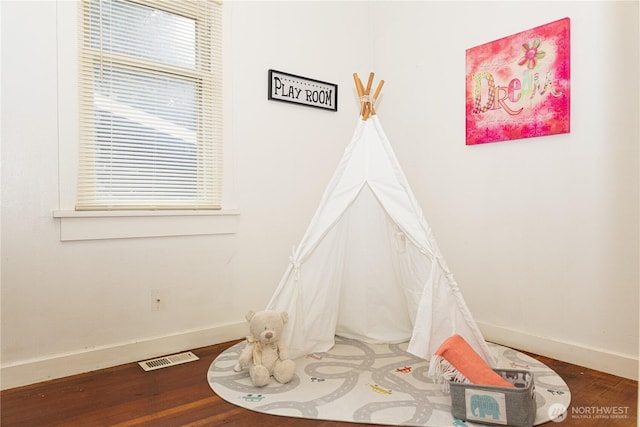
(264, 353)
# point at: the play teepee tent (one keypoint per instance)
(368, 266)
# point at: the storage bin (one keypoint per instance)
(496, 405)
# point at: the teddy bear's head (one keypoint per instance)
(266, 326)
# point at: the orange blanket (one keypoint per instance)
(456, 360)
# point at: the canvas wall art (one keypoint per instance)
(519, 86)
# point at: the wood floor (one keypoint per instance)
(180, 396)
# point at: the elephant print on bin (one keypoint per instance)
(483, 405)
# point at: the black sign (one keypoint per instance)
(301, 90)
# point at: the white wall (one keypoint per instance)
(547, 229)
(541, 233)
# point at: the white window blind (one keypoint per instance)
(150, 105)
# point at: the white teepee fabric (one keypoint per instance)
(368, 267)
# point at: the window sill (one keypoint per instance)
(99, 225)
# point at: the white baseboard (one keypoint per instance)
(62, 365)
(621, 365)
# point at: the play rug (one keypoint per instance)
(369, 383)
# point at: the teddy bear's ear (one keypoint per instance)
(285, 316)
(250, 315)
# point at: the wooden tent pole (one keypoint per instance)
(367, 91)
(360, 90)
(369, 83)
(378, 89)
(359, 87)
(375, 96)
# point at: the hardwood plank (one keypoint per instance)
(593, 391)
(180, 396)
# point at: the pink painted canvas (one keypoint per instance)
(518, 86)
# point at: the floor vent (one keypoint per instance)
(166, 361)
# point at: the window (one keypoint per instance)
(150, 105)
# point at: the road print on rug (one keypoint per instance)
(369, 383)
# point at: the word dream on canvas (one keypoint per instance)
(518, 86)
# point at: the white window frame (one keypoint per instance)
(90, 225)
(144, 152)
